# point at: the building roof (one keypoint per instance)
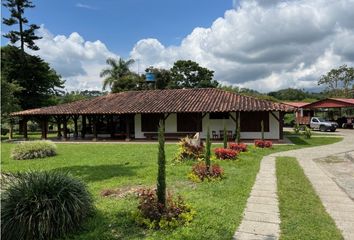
(161, 101)
(332, 103)
(296, 104)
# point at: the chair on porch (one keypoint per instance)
(214, 135)
(229, 135)
(221, 134)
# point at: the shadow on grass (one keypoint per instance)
(298, 141)
(121, 226)
(99, 172)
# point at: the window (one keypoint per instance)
(189, 122)
(219, 115)
(251, 121)
(150, 122)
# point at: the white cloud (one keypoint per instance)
(78, 61)
(266, 45)
(81, 5)
(261, 44)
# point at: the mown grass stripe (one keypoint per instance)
(301, 211)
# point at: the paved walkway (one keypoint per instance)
(261, 218)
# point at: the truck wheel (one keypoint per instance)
(323, 128)
(333, 130)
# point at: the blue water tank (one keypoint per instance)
(150, 77)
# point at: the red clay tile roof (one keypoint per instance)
(296, 104)
(346, 100)
(161, 101)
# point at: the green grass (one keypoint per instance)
(219, 205)
(302, 213)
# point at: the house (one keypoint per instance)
(136, 114)
(339, 109)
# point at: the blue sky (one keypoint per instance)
(121, 23)
(264, 45)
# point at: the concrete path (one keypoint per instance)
(337, 203)
(261, 217)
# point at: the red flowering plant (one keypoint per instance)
(200, 172)
(153, 215)
(225, 153)
(263, 143)
(240, 147)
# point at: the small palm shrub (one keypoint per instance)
(307, 132)
(201, 172)
(189, 150)
(241, 147)
(296, 128)
(154, 215)
(33, 149)
(43, 205)
(225, 153)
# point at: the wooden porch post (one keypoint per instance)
(281, 125)
(58, 119)
(76, 131)
(127, 128)
(24, 128)
(44, 125)
(94, 118)
(111, 125)
(65, 127)
(83, 130)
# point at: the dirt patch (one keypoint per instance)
(121, 192)
(340, 168)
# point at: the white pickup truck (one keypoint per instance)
(322, 125)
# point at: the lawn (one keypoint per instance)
(219, 205)
(302, 213)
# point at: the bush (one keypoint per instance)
(263, 143)
(43, 205)
(200, 172)
(189, 150)
(307, 132)
(225, 153)
(240, 147)
(296, 128)
(154, 215)
(33, 149)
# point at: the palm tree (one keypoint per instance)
(116, 70)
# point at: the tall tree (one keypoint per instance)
(116, 71)
(339, 81)
(188, 74)
(25, 36)
(129, 82)
(39, 82)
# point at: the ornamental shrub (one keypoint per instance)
(241, 147)
(200, 172)
(189, 150)
(263, 143)
(153, 215)
(307, 132)
(43, 205)
(33, 149)
(225, 153)
(296, 128)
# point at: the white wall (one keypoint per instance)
(215, 125)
